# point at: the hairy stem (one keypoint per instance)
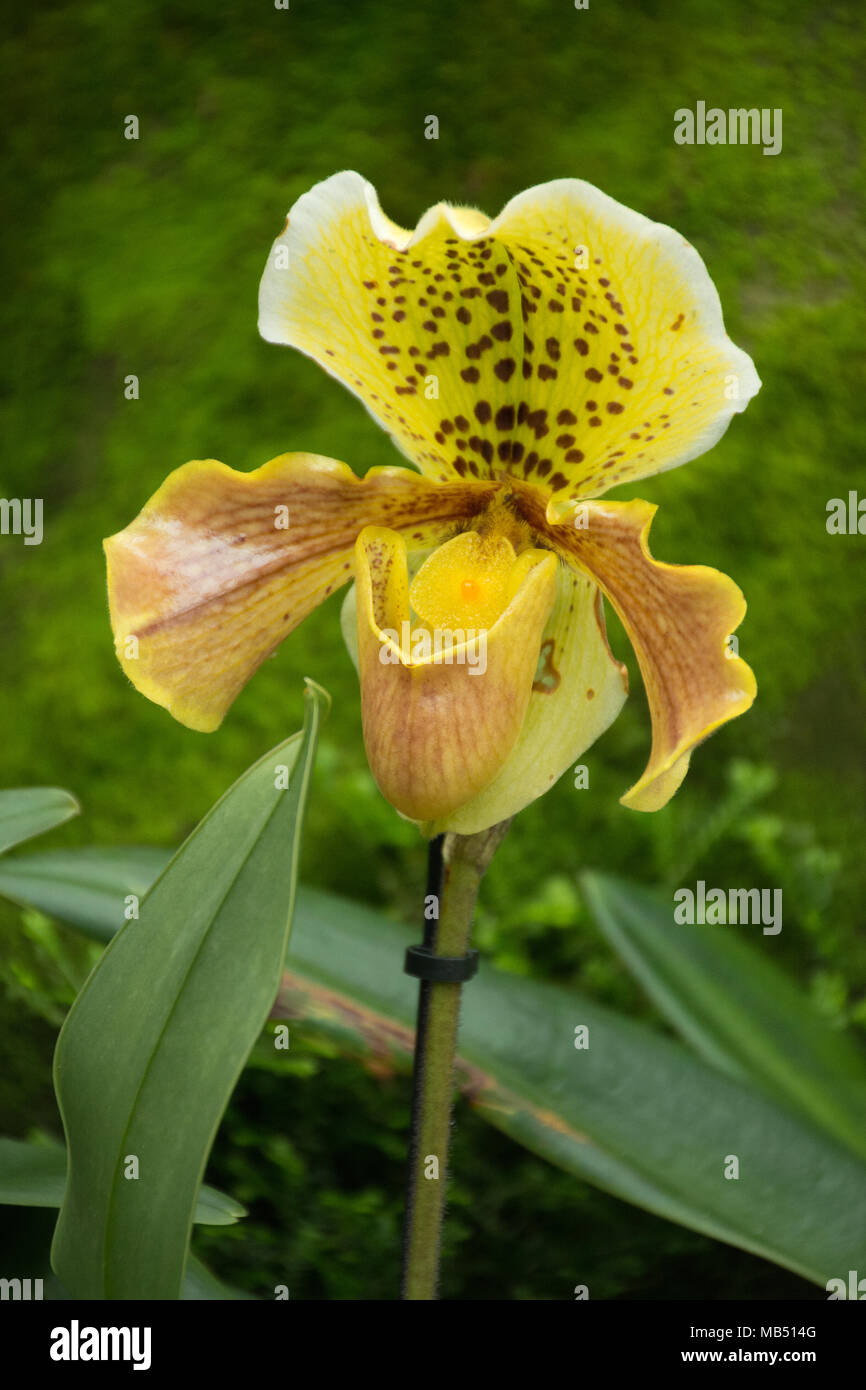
(456, 867)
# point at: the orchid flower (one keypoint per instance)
(525, 366)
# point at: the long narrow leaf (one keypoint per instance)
(34, 1175)
(154, 1044)
(736, 1007)
(29, 811)
(633, 1112)
(87, 887)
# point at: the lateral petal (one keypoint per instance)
(678, 619)
(220, 566)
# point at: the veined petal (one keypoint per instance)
(220, 566)
(579, 690)
(437, 730)
(424, 326)
(678, 619)
(628, 370)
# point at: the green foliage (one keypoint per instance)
(31, 811)
(34, 1175)
(610, 1108)
(326, 1218)
(144, 257)
(153, 1046)
(739, 1011)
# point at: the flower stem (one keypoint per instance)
(455, 868)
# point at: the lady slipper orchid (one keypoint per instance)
(525, 365)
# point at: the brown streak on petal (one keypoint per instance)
(677, 617)
(549, 680)
(208, 610)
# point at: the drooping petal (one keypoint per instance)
(424, 326)
(220, 566)
(678, 619)
(579, 690)
(437, 728)
(628, 370)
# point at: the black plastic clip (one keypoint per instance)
(441, 970)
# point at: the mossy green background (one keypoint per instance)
(144, 257)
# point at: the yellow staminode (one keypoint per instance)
(469, 581)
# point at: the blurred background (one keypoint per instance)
(144, 257)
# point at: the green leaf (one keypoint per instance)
(31, 1175)
(200, 1283)
(86, 887)
(154, 1044)
(29, 811)
(634, 1113)
(34, 1175)
(214, 1208)
(736, 1007)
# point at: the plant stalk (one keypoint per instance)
(456, 866)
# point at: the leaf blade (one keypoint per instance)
(34, 1175)
(635, 1114)
(87, 887)
(738, 1010)
(207, 991)
(29, 811)
(346, 980)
